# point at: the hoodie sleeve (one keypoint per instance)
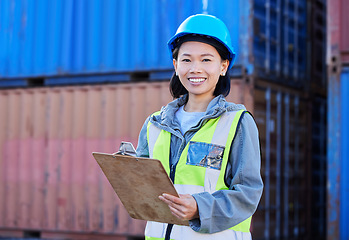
(226, 208)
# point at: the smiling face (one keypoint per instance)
(199, 66)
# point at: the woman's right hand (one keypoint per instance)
(184, 207)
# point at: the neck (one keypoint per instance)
(197, 104)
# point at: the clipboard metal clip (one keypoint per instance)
(126, 148)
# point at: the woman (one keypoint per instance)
(210, 147)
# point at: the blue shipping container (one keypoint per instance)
(64, 38)
(337, 156)
(344, 177)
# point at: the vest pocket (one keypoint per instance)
(205, 155)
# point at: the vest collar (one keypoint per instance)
(167, 120)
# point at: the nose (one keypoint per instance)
(196, 67)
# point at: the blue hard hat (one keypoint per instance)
(206, 25)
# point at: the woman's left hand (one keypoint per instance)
(184, 207)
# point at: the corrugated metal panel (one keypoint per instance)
(337, 168)
(333, 116)
(344, 191)
(47, 38)
(242, 91)
(338, 33)
(52, 185)
(319, 167)
(47, 135)
(282, 117)
(333, 158)
(344, 32)
(279, 40)
(317, 41)
(53, 39)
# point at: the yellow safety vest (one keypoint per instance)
(198, 177)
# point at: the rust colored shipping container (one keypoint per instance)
(50, 182)
(49, 179)
(51, 185)
(337, 33)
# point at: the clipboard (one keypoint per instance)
(139, 182)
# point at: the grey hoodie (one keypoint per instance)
(224, 208)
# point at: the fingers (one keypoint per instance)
(175, 212)
(166, 199)
(171, 198)
(175, 202)
(172, 202)
(184, 207)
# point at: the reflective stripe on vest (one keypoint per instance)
(190, 179)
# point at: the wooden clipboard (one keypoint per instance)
(139, 182)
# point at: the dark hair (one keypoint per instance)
(223, 84)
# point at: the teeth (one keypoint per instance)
(196, 80)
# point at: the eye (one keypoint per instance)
(206, 60)
(185, 60)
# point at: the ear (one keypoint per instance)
(225, 64)
(175, 64)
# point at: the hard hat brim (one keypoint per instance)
(172, 45)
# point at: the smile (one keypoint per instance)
(196, 80)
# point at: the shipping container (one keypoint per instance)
(66, 42)
(51, 186)
(283, 119)
(279, 40)
(318, 167)
(337, 118)
(317, 91)
(337, 156)
(317, 49)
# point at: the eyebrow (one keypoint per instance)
(203, 55)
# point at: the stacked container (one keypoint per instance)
(115, 54)
(80, 42)
(51, 187)
(282, 117)
(338, 118)
(318, 94)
